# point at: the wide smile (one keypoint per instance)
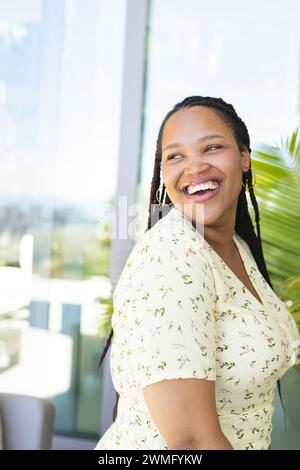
(202, 196)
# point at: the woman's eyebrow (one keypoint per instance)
(201, 139)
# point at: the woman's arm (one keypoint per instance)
(185, 413)
(216, 443)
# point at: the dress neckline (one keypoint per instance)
(243, 255)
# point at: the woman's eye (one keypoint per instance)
(171, 157)
(214, 147)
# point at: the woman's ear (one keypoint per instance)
(245, 156)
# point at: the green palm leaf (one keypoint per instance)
(277, 190)
(105, 318)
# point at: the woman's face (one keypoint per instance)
(198, 147)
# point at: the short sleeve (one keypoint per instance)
(171, 313)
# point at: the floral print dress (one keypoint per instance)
(180, 312)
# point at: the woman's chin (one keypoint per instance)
(199, 212)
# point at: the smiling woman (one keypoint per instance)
(199, 337)
(204, 156)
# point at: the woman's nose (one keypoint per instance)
(195, 165)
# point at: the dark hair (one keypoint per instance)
(243, 224)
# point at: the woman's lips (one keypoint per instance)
(209, 194)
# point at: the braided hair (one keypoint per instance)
(243, 223)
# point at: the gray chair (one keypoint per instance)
(27, 422)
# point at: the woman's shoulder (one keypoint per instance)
(174, 231)
(172, 239)
(170, 248)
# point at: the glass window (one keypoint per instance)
(60, 96)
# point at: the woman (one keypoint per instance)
(199, 336)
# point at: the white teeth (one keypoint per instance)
(207, 185)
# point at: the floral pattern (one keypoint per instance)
(180, 312)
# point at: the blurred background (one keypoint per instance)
(84, 86)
